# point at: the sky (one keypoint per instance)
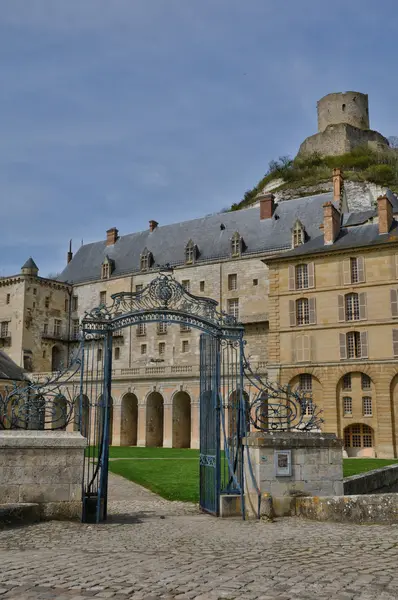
(115, 112)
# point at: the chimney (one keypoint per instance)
(338, 183)
(267, 206)
(331, 223)
(385, 214)
(112, 235)
(69, 256)
(153, 225)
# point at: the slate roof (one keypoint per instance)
(30, 264)
(167, 243)
(9, 369)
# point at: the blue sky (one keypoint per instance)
(114, 112)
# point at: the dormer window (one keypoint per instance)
(146, 260)
(298, 234)
(107, 268)
(236, 244)
(190, 253)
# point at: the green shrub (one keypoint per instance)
(381, 174)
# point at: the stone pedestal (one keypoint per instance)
(45, 468)
(316, 468)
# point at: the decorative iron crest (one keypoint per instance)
(45, 404)
(162, 299)
(280, 408)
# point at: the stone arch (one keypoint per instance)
(56, 358)
(351, 389)
(359, 440)
(129, 420)
(154, 419)
(83, 424)
(181, 433)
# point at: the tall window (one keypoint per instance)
(190, 252)
(8, 298)
(45, 328)
(141, 329)
(105, 271)
(232, 281)
(143, 348)
(347, 406)
(301, 277)
(236, 244)
(351, 307)
(57, 327)
(117, 353)
(233, 307)
(302, 311)
(99, 354)
(367, 406)
(366, 382)
(202, 286)
(102, 297)
(75, 328)
(347, 381)
(353, 340)
(162, 349)
(185, 346)
(162, 328)
(186, 284)
(75, 303)
(305, 385)
(354, 270)
(298, 235)
(47, 302)
(66, 305)
(306, 382)
(4, 329)
(145, 260)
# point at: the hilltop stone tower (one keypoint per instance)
(343, 124)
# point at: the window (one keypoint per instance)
(8, 298)
(99, 354)
(298, 234)
(366, 382)
(255, 281)
(185, 328)
(305, 382)
(351, 307)
(202, 286)
(185, 346)
(47, 302)
(66, 305)
(347, 406)
(233, 307)
(367, 406)
(4, 329)
(141, 329)
(301, 349)
(353, 270)
(358, 436)
(146, 260)
(353, 344)
(44, 354)
(34, 291)
(162, 349)
(347, 381)
(45, 328)
(75, 303)
(34, 304)
(301, 277)
(57, 327)
(302, 311)
(395, 342)
(162, 328)
(236, 244)
(117, 353)
(75, 328)
(143, 348)
(190, 252)
(105, 271)
(232, 281)
(102, 297)
(186, 284)
(139, 287)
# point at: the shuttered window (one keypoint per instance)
(303, 348)
(302, 311)
(353, 270)
(354, 344)
(394, 302)
(395, 341)
(351, 307)
(301, 277)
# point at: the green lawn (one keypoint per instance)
(179, 479)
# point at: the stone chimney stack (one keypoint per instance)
(338, 183)
(385, 214)
(331, 223)
(69, 256)
(112, 235)
(153, 225)
(267, 205)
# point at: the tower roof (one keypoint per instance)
(30, 264)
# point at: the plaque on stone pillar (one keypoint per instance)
(283, 463)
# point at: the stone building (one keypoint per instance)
(333, 310)
(343, 124)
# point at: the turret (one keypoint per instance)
(30, 268)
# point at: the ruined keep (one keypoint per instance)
(343, 124)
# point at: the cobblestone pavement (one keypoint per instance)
(153, 549)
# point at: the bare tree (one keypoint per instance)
(393, 139)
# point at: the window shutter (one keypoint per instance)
(292, 313)
(294, 344)
(312, 349)
(362, 306)
(306, 348)
(346, 271)
(364, 344)
(396, 266)
(395, 341)
(299, 348)
(341, 307)
(343, 347)
(394, 302)
(312, 311)
(361, 269)
(311, 275)
(292, 277)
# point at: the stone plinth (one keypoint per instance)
(45, 468)
(316, 468)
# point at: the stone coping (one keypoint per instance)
(21, 438)
(369, 481)
(366, 508)
(292, 439)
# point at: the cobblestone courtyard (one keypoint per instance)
(153, 549)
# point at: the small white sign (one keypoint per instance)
(283, 463)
